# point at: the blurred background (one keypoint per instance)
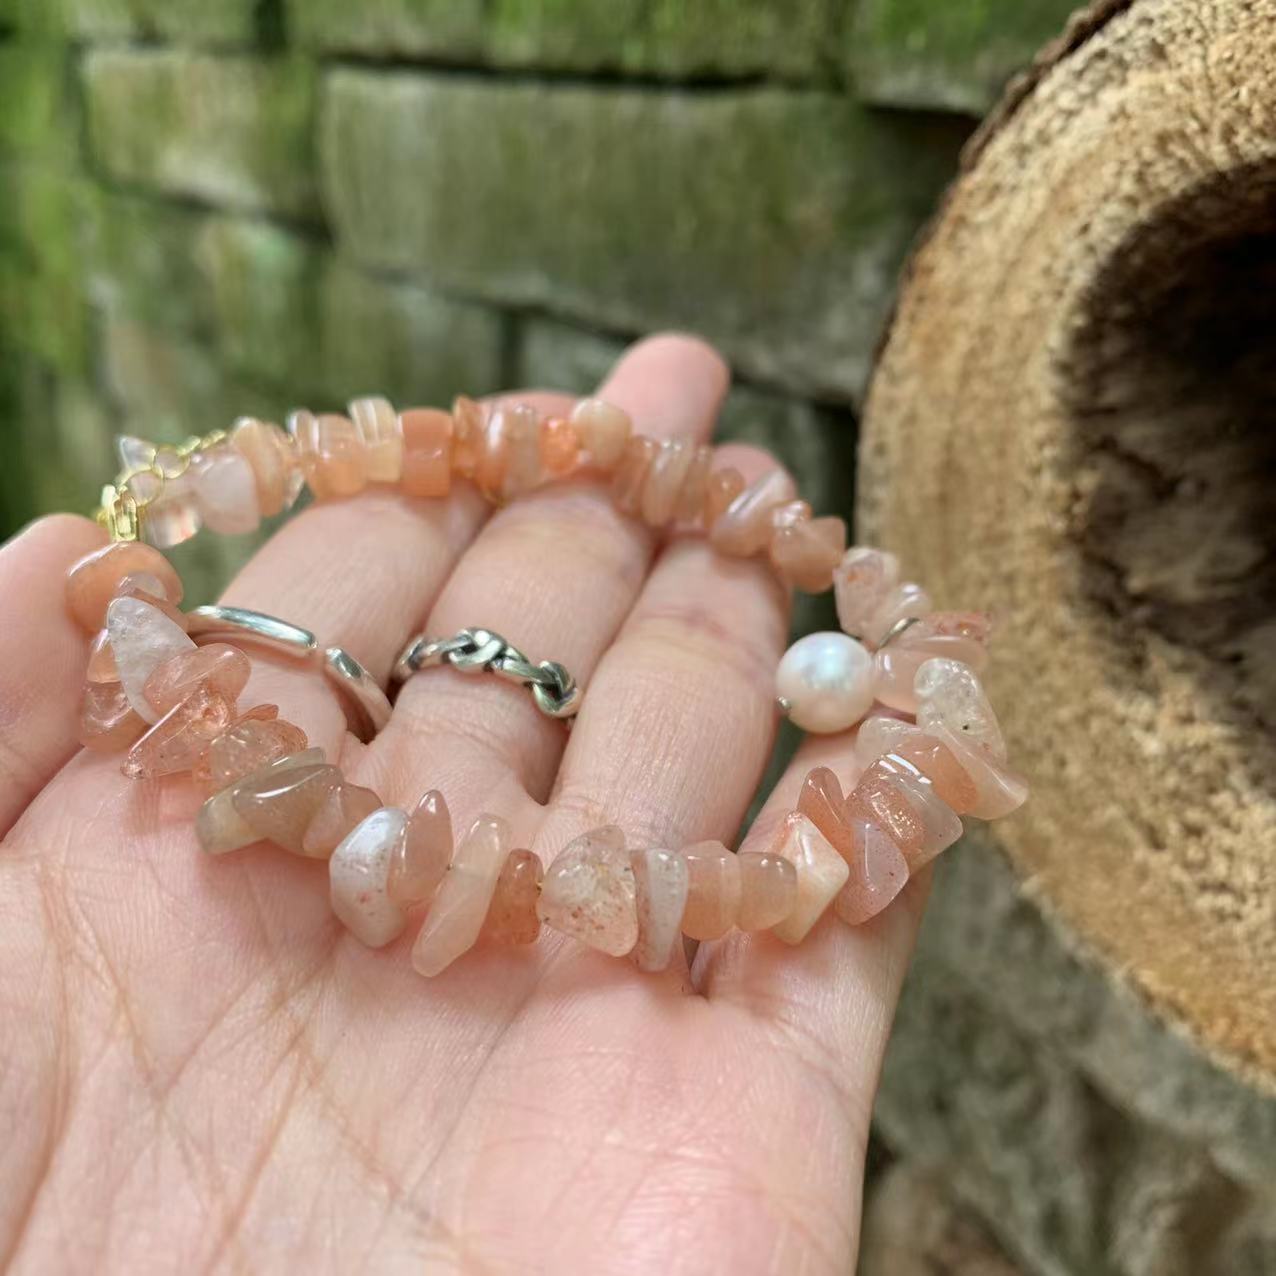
(211, 208)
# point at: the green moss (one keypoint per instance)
(234, 131)
(948, 56)
(773, 221)
(36, 120)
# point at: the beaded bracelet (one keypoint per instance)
(931, 753)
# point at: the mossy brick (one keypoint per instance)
(231, 131)
(946, 56)
(772, 221)
(201, 22)
(37, 118)
(661, 38)
(388, 337)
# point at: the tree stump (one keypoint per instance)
(1072, 423)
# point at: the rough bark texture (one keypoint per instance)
(1070, 423)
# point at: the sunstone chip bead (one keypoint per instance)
(825, 682)
(456, 917)
(768, 890)
(919, 749)
(331, 453)
(949, 692)
(604, 431)
(745, 528)
(861, 583)
(377, 425)
(423, 856)
(720, 489)
(94, 579)
(999, 790)
(468, 418)
(177, 740)
(108, 722)
(661, 883)
(357, 875)
(665, 478)
(220, 827)
(559, 446)
(225, 491)
(511, 916)
(142, 639)
(631, 473)
(691, 500)
(344, 807)
(907, 808)
(273, 458)
(821, 874)
(589, 892)
(247, 745)
(713, 895)
(805, 552)
(522, 450)
(219, 666)
(879, 872)
(278, 806)
(908, 601)
(822, 802)
(427, 452)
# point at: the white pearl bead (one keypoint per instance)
(827, 680)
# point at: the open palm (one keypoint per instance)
(200, 1069)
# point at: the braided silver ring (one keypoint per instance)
(478, 650)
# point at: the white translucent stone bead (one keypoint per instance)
(142, 637)
(950, 693)
(357, 875)
(225, 491)
(825, 680)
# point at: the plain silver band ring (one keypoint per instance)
(358, 688)
(478, 650)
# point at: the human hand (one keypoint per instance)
(200, 1069)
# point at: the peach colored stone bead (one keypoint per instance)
(101, 666)
(427, 452)
(821, 874)
(861, 582)
(908, 601)
(176, 741)
(879, 799)
(246, 746)
(93, 580)
(493, 455)
(879, 872)
(604, 431)
(167, 506)
(456, 917)
(108, 722)
(691, 500)
(511, 916)
(344, 806)
(142, 638)
(522, 450)
(560, 446)
(377, 425)
(790, 514)
(664, 482)
(357, 875)
(920, 750)
(957, 635)
(805, 553)
(713, 892)
(225, 490)
(468, 418)
(745, 527)
(273, 459)
(999, 790)
(147, 588)
(278, 806)
(661, 884)
(589, 892)
(424, 854)
(220, 827)
(219, 666)
(950, 692)
(331, 454)
(631, 473)
(720, 490)
(822, 802)
(940, 824)
(768, 891)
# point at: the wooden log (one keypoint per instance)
(1071, 423)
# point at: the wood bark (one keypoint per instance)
(1072, 423)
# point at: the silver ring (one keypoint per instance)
(368, 709)
(479, 650)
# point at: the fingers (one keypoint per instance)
(359, 574)
(555, 572)
(43, 653)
